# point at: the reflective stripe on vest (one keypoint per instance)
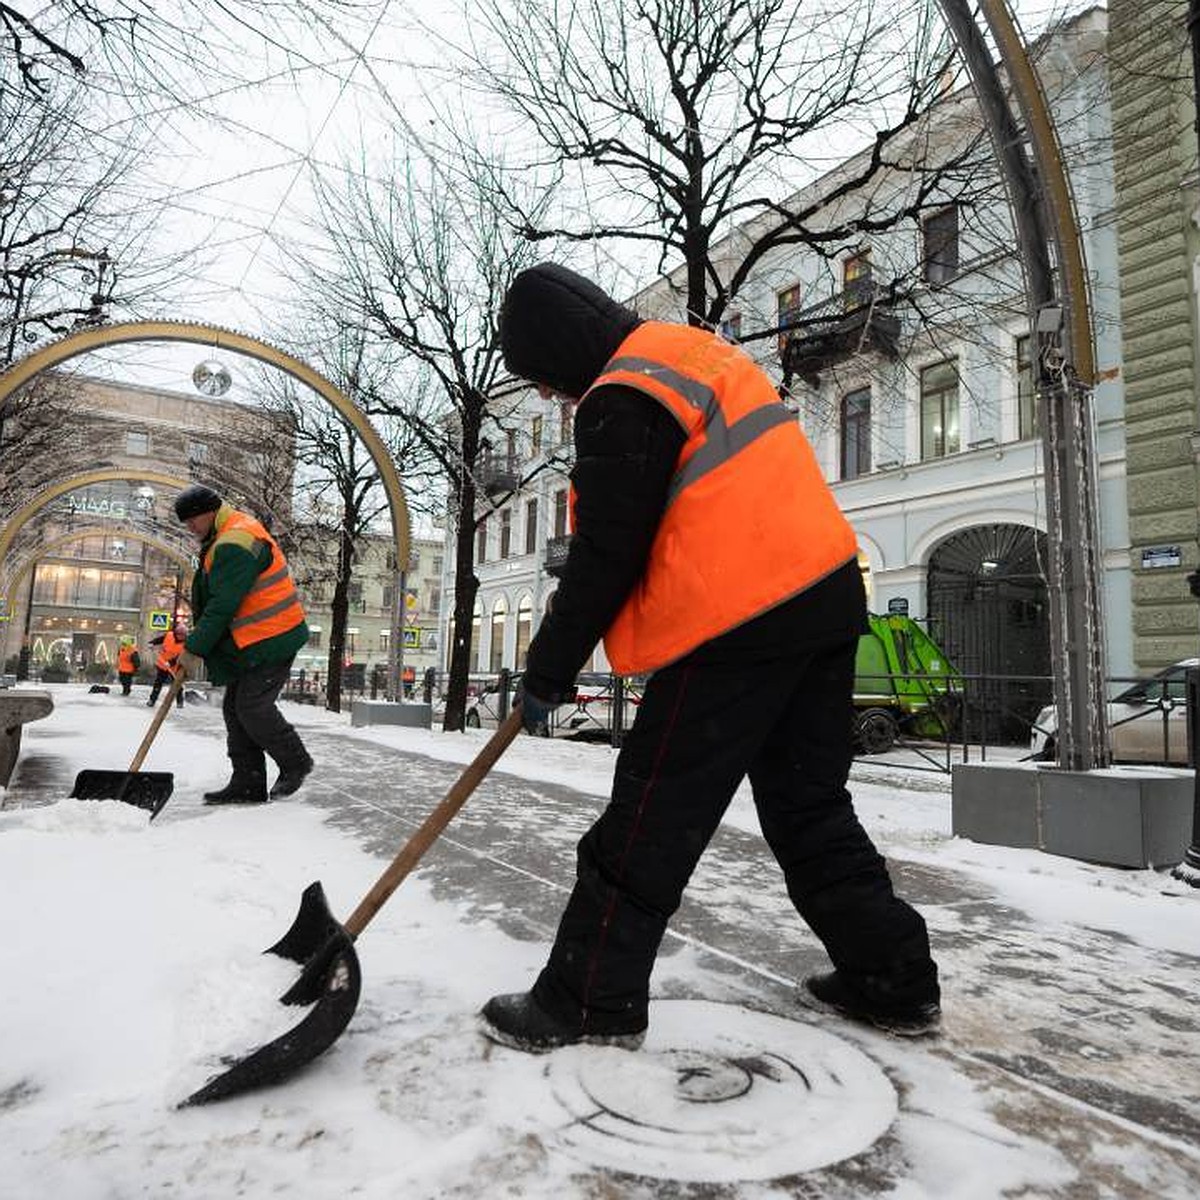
(272, 605)
(749, 520)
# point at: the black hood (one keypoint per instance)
(559, 329)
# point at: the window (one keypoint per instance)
(524, 630)
(505, 532)
(389, 594)
(510, 446)
(354, 593)
(940, 257)
(564, 423)
(499, 620)
(385, 636)
(560, 513)
(435, 597)
(731, 327)
(787, 308)
(856, 279)
(481, 541)
(197, 453)
(437, 567)
(1027, 406)
(939, 409)
(531, 515)
(535, 436)
(476, 625)
(856, 433)
(314, 637)
(137, 442)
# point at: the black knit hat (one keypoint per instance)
(194, 500)
(559, 329)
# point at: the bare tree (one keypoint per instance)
(669, 123)
(422, 265)
(343, 498)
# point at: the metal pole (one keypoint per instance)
(1188, 871)
(1060, 320)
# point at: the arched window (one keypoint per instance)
(524, 630)
(499, 620)
(476, 627)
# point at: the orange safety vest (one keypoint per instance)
(172, 647)
(272, 606)
(125, 660)
(749, 521)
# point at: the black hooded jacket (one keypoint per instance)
(559, 329)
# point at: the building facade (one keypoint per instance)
(1158, 236)
(372, 602)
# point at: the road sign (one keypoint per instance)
(160, 620)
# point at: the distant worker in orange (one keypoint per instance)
(128, 661)
(171, 644)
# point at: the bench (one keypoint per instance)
(18, 706)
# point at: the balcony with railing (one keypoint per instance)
(859, 320)
(556, 555)
(497, 473)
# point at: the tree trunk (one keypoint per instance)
(339, 613)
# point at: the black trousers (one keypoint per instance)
(164, 678)
(253, 723)
(701, 728)
(126, 678)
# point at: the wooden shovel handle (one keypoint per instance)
(433, 824)
(156, 724)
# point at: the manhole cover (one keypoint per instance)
(718, 1094)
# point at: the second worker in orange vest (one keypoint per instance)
(707, 549)
(170, 646)
(249, 625)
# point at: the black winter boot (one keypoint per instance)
(295, 764)
(519, 1021)
(248, 784)
(241, 789)
(903, 1018)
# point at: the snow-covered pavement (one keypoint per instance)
(1069, 1067)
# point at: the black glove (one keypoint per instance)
(535, 712)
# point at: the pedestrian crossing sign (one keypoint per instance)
(160, 620)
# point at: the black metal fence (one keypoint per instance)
(963, 718)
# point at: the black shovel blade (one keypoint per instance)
(331, 982)
(143, 789)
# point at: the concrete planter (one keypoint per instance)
(388, 712)
(1123, 816)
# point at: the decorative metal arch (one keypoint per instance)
(27, 511)
(77, 535)
(86, 340)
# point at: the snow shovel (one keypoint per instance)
(143, 789)
(330, 978)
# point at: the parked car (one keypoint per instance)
(1147, 721)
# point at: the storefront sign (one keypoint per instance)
(898, 606)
